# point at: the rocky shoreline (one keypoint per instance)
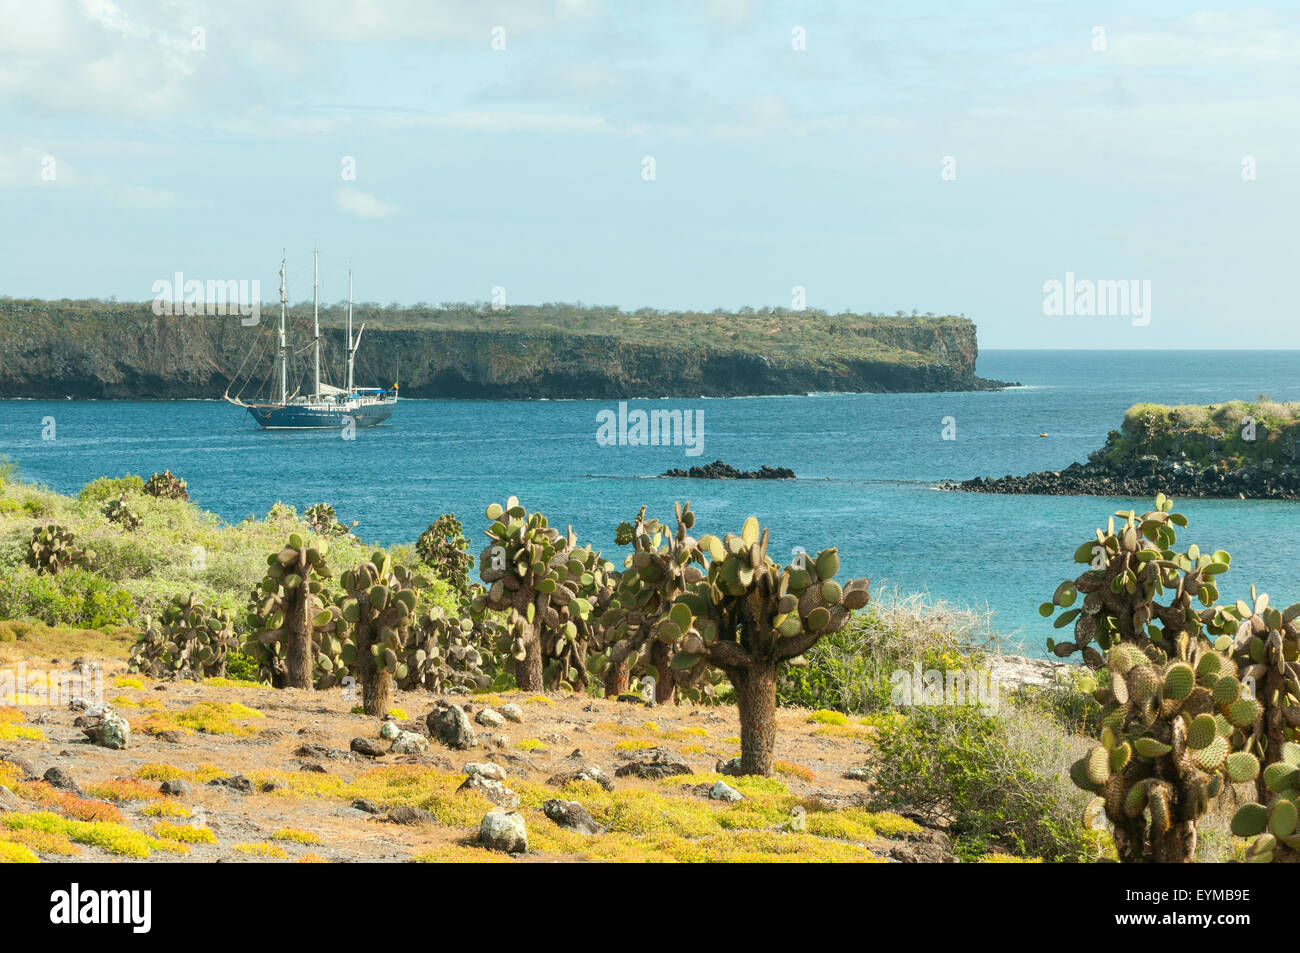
(717, 470)
(1176, 478)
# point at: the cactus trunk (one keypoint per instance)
(1176, 845)
(617, 677)
(661, 657)
(756, 698)
(297, 648)
(528, 670)
(376, 685)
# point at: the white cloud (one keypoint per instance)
(363, 204)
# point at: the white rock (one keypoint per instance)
(408, 742)
(722, 791)
(487, 769)
(504, 831)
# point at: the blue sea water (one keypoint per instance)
(866, 465)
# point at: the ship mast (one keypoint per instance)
(284, 347)
(351, 347)
(316, 317)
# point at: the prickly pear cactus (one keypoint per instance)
(450, 653)
(749, 615)
(444, 549)
(1174, 726)
(293, 625)
(117, 511)
(1272, 821)
(1264, 642)
(663, 564)
(166, 486)
(53, 549)
(378, 607)
(320, 519)
(547, 584)
(1131, 568)
(188, 640)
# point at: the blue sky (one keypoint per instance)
(522, 167)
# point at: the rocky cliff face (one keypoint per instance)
(58, 349)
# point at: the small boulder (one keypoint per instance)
(587, 772)
(363, 804)
(722, 791)
(59, 779)
(408, 742)
(9, 801)
(402, 814)
(858, 774)
(655, 769)
(115, 732)
(572, 815)
(504, 831)
(513, 713)
(486, 769)
(313, 750)
(176, 787)
(236, 782)
(389, 731)
(490, 718)
(452, 727)
(730, 767)
(494, 791)
(367, 747)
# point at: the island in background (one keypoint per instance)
(1236, 449)
(106, 349)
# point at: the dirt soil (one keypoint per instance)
(310, 788)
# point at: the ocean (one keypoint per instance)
(867, 465)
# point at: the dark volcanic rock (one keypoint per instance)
(572, 815)
(717, 470)
(1146, 478)
(655, 769)
(368, 747)
(60, 779)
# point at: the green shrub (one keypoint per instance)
(241, 667)
(997, 781)
(75, 597)
(103, 489)
(850, 670)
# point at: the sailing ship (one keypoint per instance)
(327, 406)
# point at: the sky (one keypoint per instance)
(953, 158)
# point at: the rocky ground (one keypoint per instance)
(1176, 478)
(227, 772)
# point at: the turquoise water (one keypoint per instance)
(866, 464)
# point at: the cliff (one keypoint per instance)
(96, 349)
